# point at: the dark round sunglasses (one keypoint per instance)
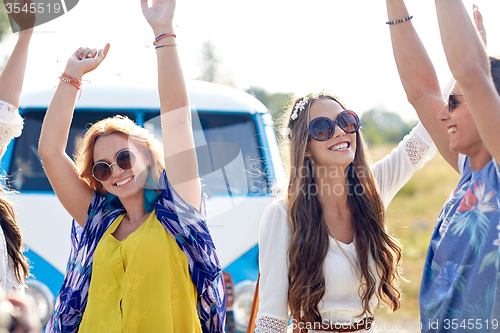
(125, 160)
(322, 128)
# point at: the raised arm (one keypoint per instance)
(419, 77)
(470, 66)
(178, 141)
(12, 78)
(73, 193)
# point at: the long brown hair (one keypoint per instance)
(309, 232)
(142, 138)
(13, 238)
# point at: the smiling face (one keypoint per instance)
(340, 149)
(122, 183)
(463, 134)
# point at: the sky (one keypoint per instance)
(281, 46)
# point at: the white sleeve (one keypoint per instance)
(4, 261)
(11, 125)
(497, 167)
(12, 285)
(395, 169)
(461, 163)
(274, 237)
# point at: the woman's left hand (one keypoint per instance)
(85, 60)
(159, 15)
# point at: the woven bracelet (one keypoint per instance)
(157, 47)
(400, 20)
(164, 36)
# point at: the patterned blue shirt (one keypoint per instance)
(460, 289)
(184, 223)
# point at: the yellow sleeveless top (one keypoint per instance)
(140, 284)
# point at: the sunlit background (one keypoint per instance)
(279, 46)
(271, 47)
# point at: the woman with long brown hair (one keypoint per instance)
(326, 259)
(14, 267)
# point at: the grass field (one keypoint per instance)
(411, 217)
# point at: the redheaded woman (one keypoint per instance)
(142, 258)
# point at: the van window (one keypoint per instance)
(26, 172)
(239, 130)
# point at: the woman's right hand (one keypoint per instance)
(159, 15)
(85, 60)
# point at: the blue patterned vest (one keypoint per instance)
(184, 223)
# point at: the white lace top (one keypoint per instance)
(11, 126)
(341, 303)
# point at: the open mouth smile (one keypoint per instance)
(123, 182)
(340, 146)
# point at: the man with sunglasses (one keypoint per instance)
(461, 279)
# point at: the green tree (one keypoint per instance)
(381, 126)
(210, 62)
(4, 22)
(276, 103)
(212, 69)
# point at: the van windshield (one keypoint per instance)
(230, 160)
(26, 172)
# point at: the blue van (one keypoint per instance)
(241, 166)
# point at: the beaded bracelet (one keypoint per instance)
(71, 80)
(77, 83)
(163, 36)
(157, 47)
(400, 20)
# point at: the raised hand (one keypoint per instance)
(85, 60)
(22, 12)
(159, 15)
(478, 22)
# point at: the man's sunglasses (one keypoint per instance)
(125, 160)
(322, 128)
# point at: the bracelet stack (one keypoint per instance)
(400, 20)
(155, 43)
(71, 80)
(77, 83)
